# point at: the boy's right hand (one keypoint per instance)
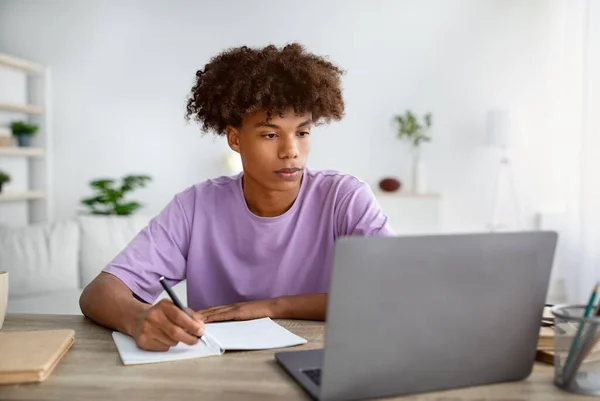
(164, 325)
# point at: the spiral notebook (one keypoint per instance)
(247, 335)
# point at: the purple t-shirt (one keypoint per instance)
(208, 236)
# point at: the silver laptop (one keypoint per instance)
(424, 313)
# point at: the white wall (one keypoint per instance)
(584, 258)
(122, 71)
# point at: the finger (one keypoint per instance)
(219, 309)
(175, 334)
(213, 309)
(162, 338)
(224, 309)
(179, 318)
(154, 345)
(223, 316)
(154, 337)
(199, 317)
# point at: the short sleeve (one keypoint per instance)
(358, 214)
(159, 249)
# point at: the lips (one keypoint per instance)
(287, 170)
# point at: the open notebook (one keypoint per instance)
(226, 336)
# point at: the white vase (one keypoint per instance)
(419, 173)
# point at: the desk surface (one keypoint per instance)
(92, 370)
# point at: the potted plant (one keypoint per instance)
(110, 198)
(414, 131)
(4, 178)
(23, 131)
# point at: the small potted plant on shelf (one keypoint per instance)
(23, 131)
(414, 131)
(4, 178)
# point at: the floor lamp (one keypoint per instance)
(498, 136)
(232, 162)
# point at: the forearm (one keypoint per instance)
(302, 307)
(109, 302)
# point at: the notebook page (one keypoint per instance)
(253, 335)
(132, 355)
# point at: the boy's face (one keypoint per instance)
(273, 153)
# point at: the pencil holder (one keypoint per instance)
(576, 350)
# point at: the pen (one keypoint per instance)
(591, 339)
(589, 309)
(177, 302)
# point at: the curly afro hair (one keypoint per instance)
(242, 81)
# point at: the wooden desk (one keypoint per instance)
(92, 370)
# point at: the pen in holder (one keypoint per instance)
(576, 350)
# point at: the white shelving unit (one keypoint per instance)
(25, 95)
(22, 152)
(22, 196)
(22, 108)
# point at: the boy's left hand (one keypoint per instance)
(241, 311)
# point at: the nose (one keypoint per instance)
(288, 148)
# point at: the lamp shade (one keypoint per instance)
(498, 128)
(232, 162)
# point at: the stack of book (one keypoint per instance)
(31, 356)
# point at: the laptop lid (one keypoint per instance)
(425, 313)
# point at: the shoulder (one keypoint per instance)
(335, 183)
(200, 197)
(214, 187)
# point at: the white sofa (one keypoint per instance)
(50, 264)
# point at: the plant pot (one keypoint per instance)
(1, 187)
(24, 141)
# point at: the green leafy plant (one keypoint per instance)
(23, 128)
(411, 129)
(109, 198)
(4, 177)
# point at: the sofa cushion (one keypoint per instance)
(54, 303)
(102, 238)
(40, 257)
(67, 302)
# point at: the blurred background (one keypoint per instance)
(511, 89)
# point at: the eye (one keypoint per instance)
(269, 135)
(303, 134)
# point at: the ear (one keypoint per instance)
(233, 138)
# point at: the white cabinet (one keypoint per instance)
(411, 213)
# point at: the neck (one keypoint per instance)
(264, 202)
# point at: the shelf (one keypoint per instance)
(407, 195)
(25, 152)
(27, 66)
(28, 109)
(7, 196)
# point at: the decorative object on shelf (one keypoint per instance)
(5, 141)
(4, 178)
(390, 184)
(499, 127)
(415, 132)
(23, 131)
(110, 199)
